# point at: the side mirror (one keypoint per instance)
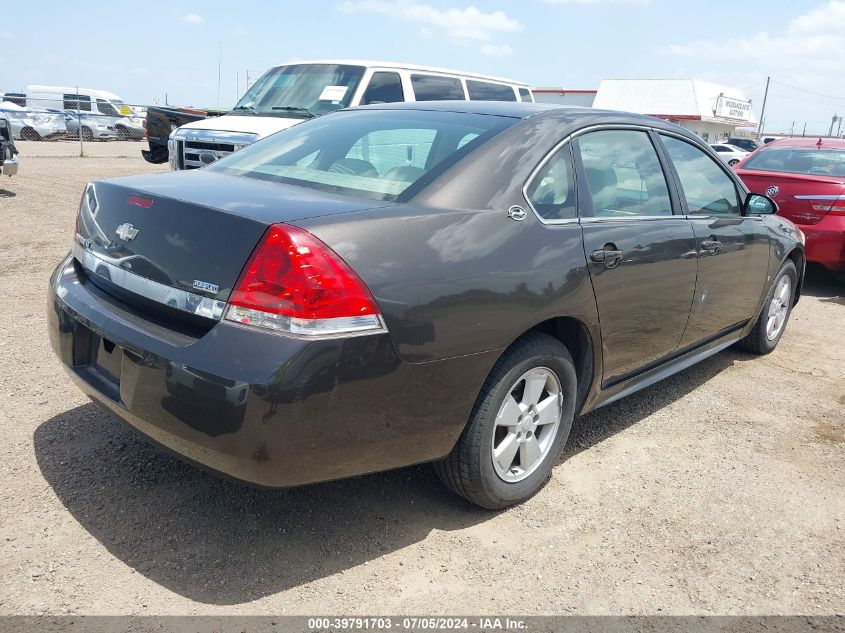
(758, 204)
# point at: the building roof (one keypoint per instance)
(677, 99)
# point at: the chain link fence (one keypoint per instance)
(77, 115)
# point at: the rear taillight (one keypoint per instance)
(296, 284)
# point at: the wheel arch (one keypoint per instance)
(799, 259)
(576, 337)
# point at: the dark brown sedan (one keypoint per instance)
(432, 282)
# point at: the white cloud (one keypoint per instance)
(192, 18)
(807, 53)
(497, 50)
(467, 24)
(811, 46)
(7, 35)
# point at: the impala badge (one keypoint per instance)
(207, 287)
(127, 232)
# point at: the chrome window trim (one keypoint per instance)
(640, 218)
(569, 138)
(189, 302)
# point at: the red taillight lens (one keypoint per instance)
(294, 283)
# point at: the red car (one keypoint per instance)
(806, 177)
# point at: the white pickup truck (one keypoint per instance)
(289, 94)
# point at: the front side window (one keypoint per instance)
(301, 90)
(105, 107)
(378, 154)
(552, 192)
(384, 87)
(437, 88)
(624, 175)
(485, 91)
(706, 187)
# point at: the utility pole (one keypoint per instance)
(839, 129)
(792, 128)
(219, 72)
(763, 111)
(804, 133)
(832, 123)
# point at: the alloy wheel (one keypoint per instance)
(527, 424)
(779, 308)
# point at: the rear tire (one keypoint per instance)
(478, 468)
(28, 134)
(772, 320)
(87, 134)
(733, 162)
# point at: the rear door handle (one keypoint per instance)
(711, 246)
(610, 257)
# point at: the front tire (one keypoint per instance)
(774, 316)
(518, 426)
(87, 134)
(733, 162)
(122, 133)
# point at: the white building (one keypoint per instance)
(710, 110)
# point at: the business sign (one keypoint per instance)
(727, 108)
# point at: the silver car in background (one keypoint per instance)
(93, 126)
(33, 125)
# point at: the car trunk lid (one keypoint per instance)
(803, 199)
(180, 240)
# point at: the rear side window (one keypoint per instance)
(552, 192)
(485, 91)
(525, 95)
(384, 88)
(624, 175)
(706, 187)
(435, 88)
(77, 102)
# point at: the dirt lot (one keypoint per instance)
(717, 491)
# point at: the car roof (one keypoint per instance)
(813, 141)
(516, 109)
(369, 63)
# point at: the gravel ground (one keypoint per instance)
(716, 491)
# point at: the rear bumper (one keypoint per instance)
(826, 242)
(10, 166)
(263, 408)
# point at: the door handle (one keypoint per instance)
(610, 257)
(711, 245)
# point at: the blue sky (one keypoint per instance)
(143, 50)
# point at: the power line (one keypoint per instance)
(818, 94)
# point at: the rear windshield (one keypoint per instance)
(378, 154)
(799, 160)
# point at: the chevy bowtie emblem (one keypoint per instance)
(127, 232)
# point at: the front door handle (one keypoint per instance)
(711, 246)
(610, 257)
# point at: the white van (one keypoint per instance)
(86, 100)
(289, 94)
